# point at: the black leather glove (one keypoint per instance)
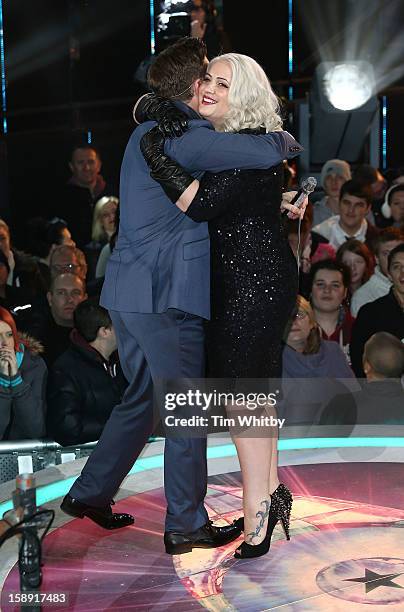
(172, 121)
(170, 175)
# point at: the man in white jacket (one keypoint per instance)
(378, 284)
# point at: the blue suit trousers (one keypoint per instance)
(153, 348)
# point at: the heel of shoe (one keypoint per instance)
(285, 528)
(73, 513)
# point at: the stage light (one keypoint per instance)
(349, 85)
(342, 113)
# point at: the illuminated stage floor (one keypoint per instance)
(346, 551)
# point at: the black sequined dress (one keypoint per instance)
(254, 279)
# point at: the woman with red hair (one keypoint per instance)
(22, 383)
(358, 257)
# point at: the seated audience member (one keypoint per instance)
(22, 383)
(379, 283)
(393, 206)
(52, 324)
(68, 258)
(71, 259)
(86, 186)
(381, 401)
(354, 204)
(106, 251)
(23, 268)
(360, 261)
(315, 362)
(10, 297)
(86, 381)
(334, 173)
(104, 227)
(44, 237)
(329, 287)
(375, 181)
(384, 314)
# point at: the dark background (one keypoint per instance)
(70, 69)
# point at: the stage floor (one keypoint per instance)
(346, 551)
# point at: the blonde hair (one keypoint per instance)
(98, 233)
(314, 338)
(252, 101)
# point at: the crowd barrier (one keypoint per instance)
(20, 456)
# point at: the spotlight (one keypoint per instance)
(340, 119)
(349, 85)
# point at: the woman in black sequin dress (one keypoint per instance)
(254, 278)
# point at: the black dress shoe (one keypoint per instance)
(102, 516)
(208, 536)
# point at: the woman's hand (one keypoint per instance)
(294, 211)
(8, 361)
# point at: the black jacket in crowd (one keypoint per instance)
(384, 314)
(23, 397)
(83, 389)
(380, 402)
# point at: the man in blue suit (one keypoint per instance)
(157, 292)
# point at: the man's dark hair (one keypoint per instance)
(393, 253)
(42, 234)
(357, 189)
(387, 234)
(175, 70)
(85, 146)
(330, 264)
(88, 317)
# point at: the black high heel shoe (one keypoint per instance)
(281, 506)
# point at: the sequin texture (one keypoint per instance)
(253, 271)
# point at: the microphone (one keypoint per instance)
(307, 186)
(29, 557)
(24, 496)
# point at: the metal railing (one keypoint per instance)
(19, 456)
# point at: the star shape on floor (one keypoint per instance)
(373, 580)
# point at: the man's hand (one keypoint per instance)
(172, 121)
(294, 211)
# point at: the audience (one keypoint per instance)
(379, 283)
(86, 381)
(336, 268)
(52, 324)
(104, 227)
(22, 383)
(384, 314)
(23, 269)
(354, 204)
(44, 237)
(373, 179)
(381, 401)
(86, 186)
(334, 173)
(315, 362)
(68, 258)
(393, 206)
(360, 261)
(10, 297)
(329, 287)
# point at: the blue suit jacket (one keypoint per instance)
(161, 259)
